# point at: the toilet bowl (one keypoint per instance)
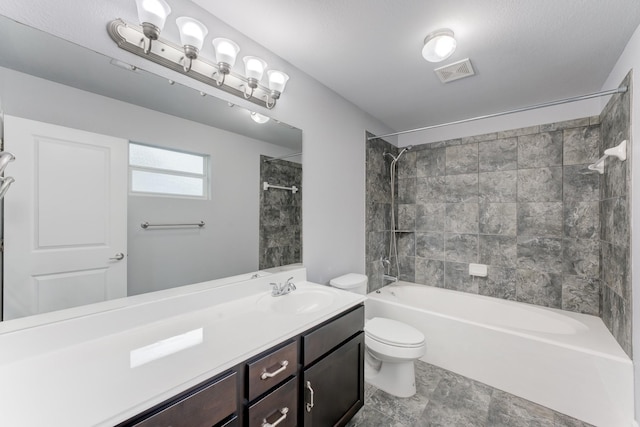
(391, 346)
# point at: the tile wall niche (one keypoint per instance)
(280, 214)
(521, 201)
(615, 272)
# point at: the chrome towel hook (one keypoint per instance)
(5, 158)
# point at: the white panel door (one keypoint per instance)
(65, 231)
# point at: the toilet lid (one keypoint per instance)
(392, 332)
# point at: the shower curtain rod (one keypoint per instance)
(282, 157)
(621, 89)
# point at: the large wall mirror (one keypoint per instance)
(71, 116)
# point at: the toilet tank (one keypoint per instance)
(351, 282)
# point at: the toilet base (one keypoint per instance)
(397, 379)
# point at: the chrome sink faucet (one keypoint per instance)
(280, 289)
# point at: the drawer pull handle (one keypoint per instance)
(310, 404)
(266, 375)
(283, 411)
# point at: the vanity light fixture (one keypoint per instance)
(192, 34)
(439, 45)
(189, 57)
(152, 15)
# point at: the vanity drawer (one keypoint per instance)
(322, 340)
(271, 369)
(206, 405)
(280, 404)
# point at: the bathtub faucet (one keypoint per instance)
(390, 278)
(385, 263)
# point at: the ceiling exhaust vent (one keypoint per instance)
(456, 71)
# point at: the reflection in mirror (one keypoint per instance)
(72, 220)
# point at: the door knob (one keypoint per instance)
(119, 256)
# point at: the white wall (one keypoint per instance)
(630, 60)
(333, 129)
(158, 259)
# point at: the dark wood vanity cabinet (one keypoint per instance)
(313, 379)
(333, 371)
(211, 403)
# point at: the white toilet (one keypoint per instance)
(392, 346)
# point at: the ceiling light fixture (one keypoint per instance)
(439, 45)
(144, 40)
(259, 118)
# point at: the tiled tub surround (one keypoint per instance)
(521, 201)
(280, 214)
(566, 361)
(615, 272)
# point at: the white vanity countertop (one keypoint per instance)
(85, 371)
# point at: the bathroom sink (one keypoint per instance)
(301, 301)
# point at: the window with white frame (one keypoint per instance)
(167, 172)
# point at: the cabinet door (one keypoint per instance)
(334, 386)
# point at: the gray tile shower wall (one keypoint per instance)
(280, 214)
(378, 209)
(521, 201)
(615, 273)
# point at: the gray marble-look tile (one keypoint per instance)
(407, 165)
(404, 411)
(498, 218)
(540, 185)
(480, 138)
(430, 162)
(375, 272)
(581, 257)
(581, 145)
(507, 410)
(540, 219)
(580, 184)
(406, 190)
(615, 269)
(430, 217)
(498, 186)
(461, 247)
(431, 190)
(378, 216)
(582, 220)
(540, 288)
(457, 278)
(407, 268)
(498, 155)
(437, 414)
(594, 120)
(369, 416)
(567, 124)
(430, 245)
(581, 294)
(615, 221)
(500, 283)
(461, 188)
(461, 217)
(540, 254)
(461, 159)
(500, 251)
(428, 377)
(458, 392)
(617, 317)
(616, 175)
(540, 150)
(430, 272)
(519, 132)
(407, 217)
(377, 244)
(406, 244)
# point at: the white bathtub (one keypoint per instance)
(566, 361)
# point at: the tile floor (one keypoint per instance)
(446, 399)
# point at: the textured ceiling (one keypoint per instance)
(523, 52)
